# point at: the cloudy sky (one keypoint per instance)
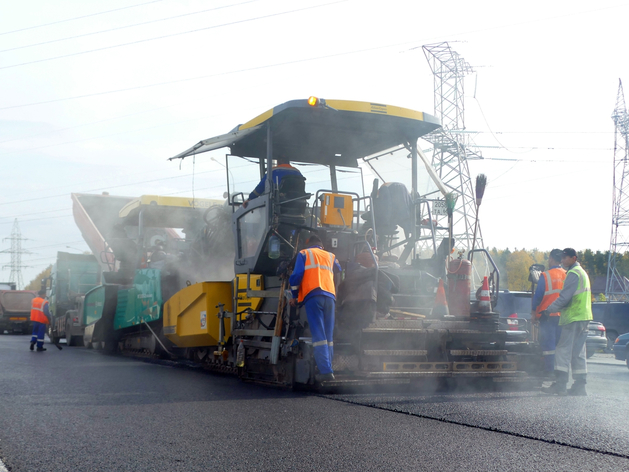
(97, 95)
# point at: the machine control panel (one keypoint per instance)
(337, 210)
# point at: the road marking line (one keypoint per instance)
(2, 467)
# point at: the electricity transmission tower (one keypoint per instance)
(452, 149)
(616, 288)
(16, 252)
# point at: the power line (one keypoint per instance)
(39, 219)
(171, 35)
(59, 244)
(104, 136)
(541, 132)
(35, 213)
(103, 188)
(280, 64)
(219, 74)
(86, 124)
(539, 148)
(79, 17)
(130, 170)
(127, 26)
(539, 161)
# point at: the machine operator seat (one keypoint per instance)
(291, 188)
(393, 207)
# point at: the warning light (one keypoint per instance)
(312, 101)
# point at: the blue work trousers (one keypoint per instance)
(39, 331)
(320, 312)
(549, 333)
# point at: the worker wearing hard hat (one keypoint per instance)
(40, 316)
(312, 285)
(548, 289)
(575, 304)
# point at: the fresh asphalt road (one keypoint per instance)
(81, 410)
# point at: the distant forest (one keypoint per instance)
(514, 265)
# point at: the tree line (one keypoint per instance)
(514, 265)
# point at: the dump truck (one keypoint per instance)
(72, 276)
(15, 308)
(386, 330)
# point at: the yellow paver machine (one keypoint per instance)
(386, 331)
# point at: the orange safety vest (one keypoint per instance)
(554, 283)
(37, 310)
(318, 272)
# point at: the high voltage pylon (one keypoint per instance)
(616, 287)
(16, 252)
(452, 149)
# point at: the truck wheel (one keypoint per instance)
(69, 338)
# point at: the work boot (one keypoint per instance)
(548, 375)
(325, 377)
(577, 390)
(41, 349)
(557, 388)
(32, 346)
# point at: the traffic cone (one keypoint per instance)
(484, 304)
(440, 308)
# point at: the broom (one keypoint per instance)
(450, 204)
(481, 183)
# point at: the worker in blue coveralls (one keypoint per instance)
(312, 285)
(283, 169)
(548, 289)
(40, 317)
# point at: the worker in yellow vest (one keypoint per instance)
(40, 317)
(548, 289)
(575, 304)
(312, 285)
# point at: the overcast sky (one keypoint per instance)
(97, 95)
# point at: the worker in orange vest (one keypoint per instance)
(548, 289)
(40, 317)
(312, 285)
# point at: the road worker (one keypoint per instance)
(575, 304)
(282, 170)
(312, 285)
(548, 289)
(40, 317)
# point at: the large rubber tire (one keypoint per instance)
(70, 340)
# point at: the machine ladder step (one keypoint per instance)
(253, 332)
(394, 330)
(511, 375)
(404, 366)
(339, 382)
(478, 352)
(400, 352)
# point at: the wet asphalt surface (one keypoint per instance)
(82, 410)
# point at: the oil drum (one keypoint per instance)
(459, 283)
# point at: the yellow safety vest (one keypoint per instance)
(580, 307)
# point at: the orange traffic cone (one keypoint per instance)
(440, 308)
(484, 304)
